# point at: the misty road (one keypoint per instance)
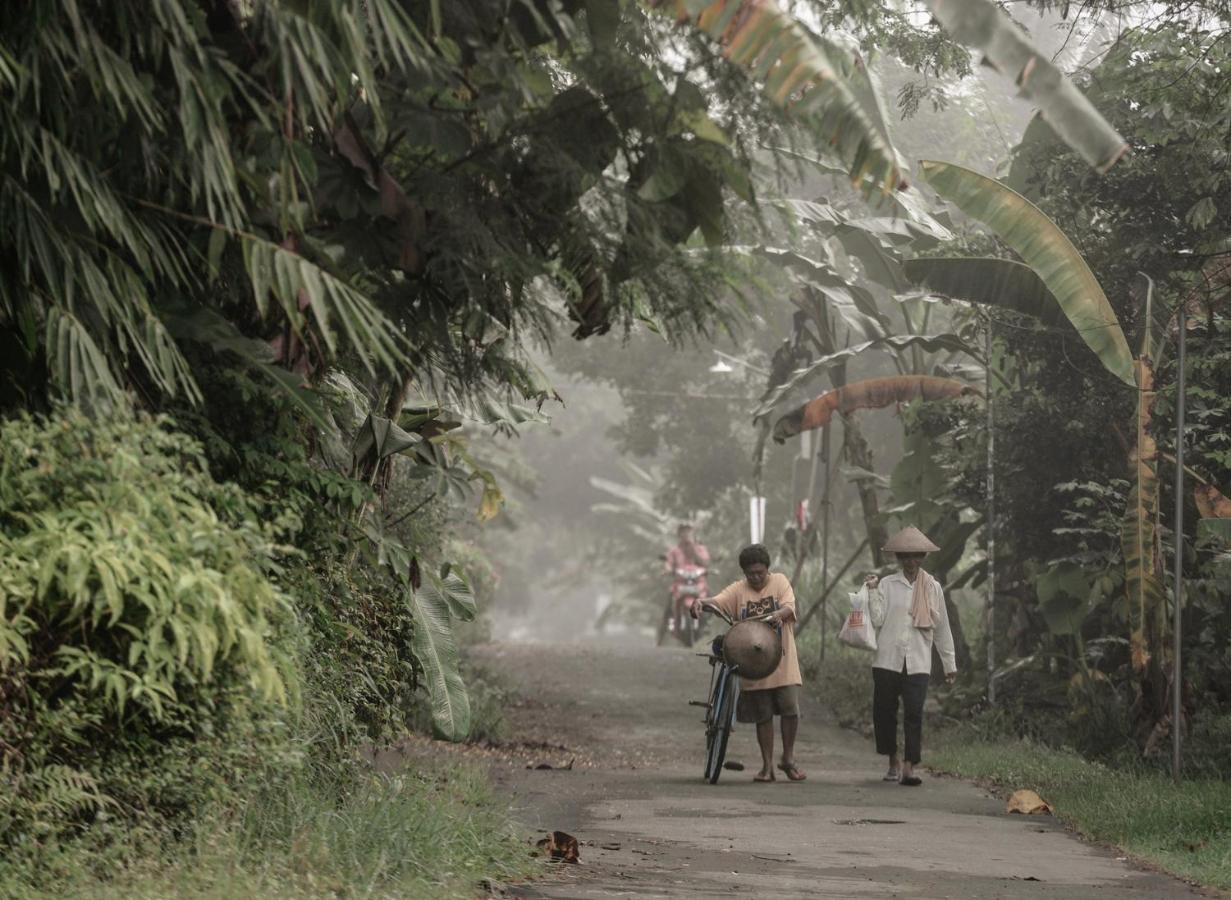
(650, 827)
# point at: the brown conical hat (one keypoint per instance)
(910, 540)
(754, 647)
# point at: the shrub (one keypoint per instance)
(138, 604)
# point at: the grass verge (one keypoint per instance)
(1184, 829)
(430, 833)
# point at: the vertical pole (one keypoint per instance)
(1177, 670)
(825, 539)
(991, 518)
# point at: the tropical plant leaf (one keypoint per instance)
(1004, 283)
(381, 438)
(800, 75)
(874, 393)
(1064, 592)
(1047, 250)
(1211, 503)
(1139, 537)
(1215, 510)
(435, 647)
(984, 25)
(932, 343)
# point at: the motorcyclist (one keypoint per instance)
(687, 554)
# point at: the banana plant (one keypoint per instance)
(1066, 283)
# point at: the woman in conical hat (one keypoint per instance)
(908, 610)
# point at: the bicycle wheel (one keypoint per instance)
(718, 724)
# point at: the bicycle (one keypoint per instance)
(720, 705)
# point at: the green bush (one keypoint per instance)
(138, 607)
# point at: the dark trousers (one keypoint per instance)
(887, 687)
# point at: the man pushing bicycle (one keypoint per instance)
(762, 592)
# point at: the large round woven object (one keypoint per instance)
(754, 648)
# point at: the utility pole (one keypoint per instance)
(991, 517)
(1177, 669)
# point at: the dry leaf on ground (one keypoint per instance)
(562, 846)
(1027, 803)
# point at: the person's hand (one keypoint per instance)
(871, 582)
(694, 610)
(950, 677)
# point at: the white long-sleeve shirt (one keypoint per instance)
(898, 641)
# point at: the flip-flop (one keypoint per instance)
(892, 775)
(763, 779)
(793, 772)
(911, 781)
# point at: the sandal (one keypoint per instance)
(911, 781)
(763, 779)
(793, 772)
(892, 775)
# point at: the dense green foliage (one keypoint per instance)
(271, 274)
(141, 608)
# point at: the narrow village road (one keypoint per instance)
(650, 827)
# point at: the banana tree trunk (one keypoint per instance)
(859, 455)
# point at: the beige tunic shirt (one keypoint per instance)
(898, 642)
(777, 594)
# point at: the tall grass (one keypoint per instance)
(1185, 828)
(430, 833)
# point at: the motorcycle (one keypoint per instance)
(688, 589)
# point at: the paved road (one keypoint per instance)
(651, 828)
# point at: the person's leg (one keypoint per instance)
(885, 689)
(765, 740)
(786, 706)
(914, 693)
(755, 707)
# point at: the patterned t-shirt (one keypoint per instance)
(739, 600)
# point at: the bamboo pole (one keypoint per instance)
(820, 600)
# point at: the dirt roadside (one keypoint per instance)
(650, 827)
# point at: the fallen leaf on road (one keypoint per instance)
(562, 846)
(1027, 803)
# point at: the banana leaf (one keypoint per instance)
(802, 76)
(932, 343)
(1003, 283)
(1047, 250)
(435, 647)
(984, 25)
(874, 393)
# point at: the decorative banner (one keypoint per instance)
(756, 516)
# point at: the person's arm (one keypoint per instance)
(724, 600)
(702, 555)
(786, 603)
(669, 565)
(944, 636)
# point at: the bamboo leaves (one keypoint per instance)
(1047, 250)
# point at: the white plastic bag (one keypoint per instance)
(857, 631)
